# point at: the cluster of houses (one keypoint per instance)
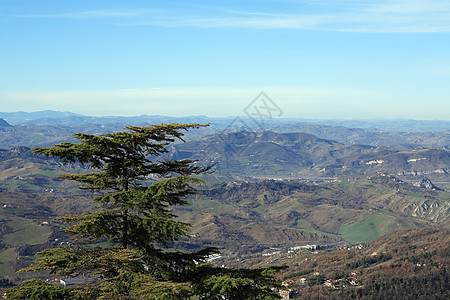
(315, 249)
(424, 264)
(312, 248)
(287, 292)
(213, 257)
(304, 247)
(358, 247)
(341, 283)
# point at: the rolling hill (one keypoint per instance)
(326, 191)
(269, 154)
(270, 213)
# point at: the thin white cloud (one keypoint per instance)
(292, 22)
(91, 14)
(403, 16)
(406, 16)
(410, 7)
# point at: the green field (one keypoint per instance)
(260, 209)
(342, 183)
(8, 260)
(48, 173)
(25, 231)
(365, 230)
(411, 194)
(303, 224)
(18, 185)
(7, 256)
(209, 206)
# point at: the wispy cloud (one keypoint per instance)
(327, 15)
(288, 21)
(410, 6)
(91, 14)
(352, 16)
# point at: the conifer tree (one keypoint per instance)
(135, 218)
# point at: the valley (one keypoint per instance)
(267, 191)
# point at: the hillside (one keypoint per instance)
(27, 226)
(269, 154)
(407, 135)
(265, 213)
(331, 193)
(300, 155)
(22, 171)
(243, 218)
(4, 124)
(407, 264)
(248, 217)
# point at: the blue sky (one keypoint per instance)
(315, 59)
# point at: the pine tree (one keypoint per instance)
(135, 218)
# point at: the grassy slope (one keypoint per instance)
(24, 214)
(366, 230)
(25, 231)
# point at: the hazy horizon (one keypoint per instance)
(221, 117)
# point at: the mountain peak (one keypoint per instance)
(3, 123)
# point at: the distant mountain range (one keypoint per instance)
(297, 150)
(300, 155)
(50, 117)
(48, 127)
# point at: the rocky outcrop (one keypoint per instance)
(429, 209)
(427, 184)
